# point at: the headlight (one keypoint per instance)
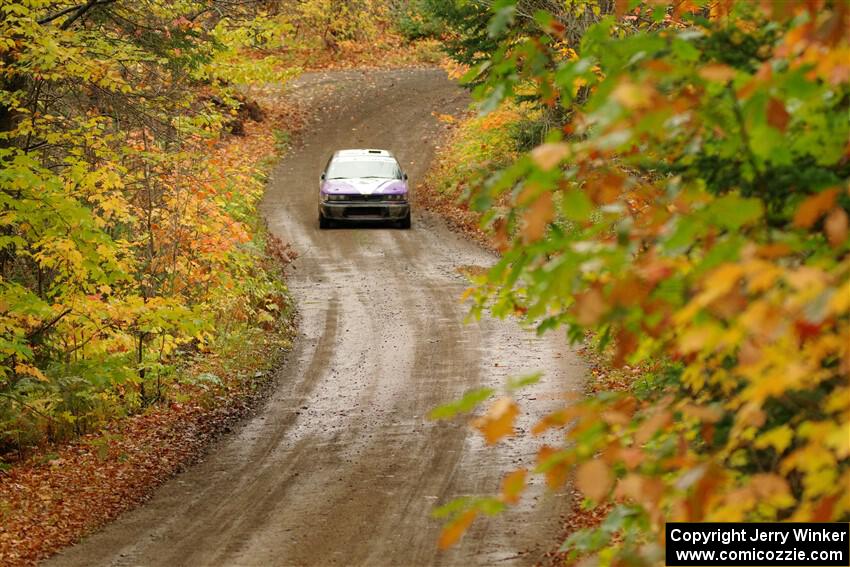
(399, 197)
(334, 197)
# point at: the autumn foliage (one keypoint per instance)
(129, 240)
(690, 215)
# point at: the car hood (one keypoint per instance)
(364, 186)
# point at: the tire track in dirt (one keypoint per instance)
(341, 466)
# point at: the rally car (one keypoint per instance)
(363, 185)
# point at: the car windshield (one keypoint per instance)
(382, 169)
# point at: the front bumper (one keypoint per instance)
(375, 210)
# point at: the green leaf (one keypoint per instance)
(523, 381)
(576, 206)
(733, 211)
(503, 17)
(684, 50)
(453, 507)
(467, 403)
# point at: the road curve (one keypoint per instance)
(341, 466)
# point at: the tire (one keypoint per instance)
(324, 222)
(405, 222)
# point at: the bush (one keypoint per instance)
(708, 197)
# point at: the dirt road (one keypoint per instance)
(341, 467)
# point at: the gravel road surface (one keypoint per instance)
(341, 466)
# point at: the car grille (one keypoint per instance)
(367, 198)
(364, 212)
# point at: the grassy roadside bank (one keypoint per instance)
(474, 146)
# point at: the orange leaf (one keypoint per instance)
(630, 487)
(717, 72)
(822, 511)
(548, 156)
(767, 485)
(709, 481)
(537, 218)
(589, 307)
(648, 428)
(632, 457)
(513, 485)
(604, 189)
(498, 422)
(594, 479)
(814, 207)
(556, 474)
(501, 234)
(453, 532)
(777, 116)
(720, 9)
(836, 227)
(686, 6)
(775, 250)
(626, 344)
(703, 413)
(557, 418)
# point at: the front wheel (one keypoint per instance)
(405, 222)
(324, 222)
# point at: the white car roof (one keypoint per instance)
(365, 154)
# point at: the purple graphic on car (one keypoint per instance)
(364, 186)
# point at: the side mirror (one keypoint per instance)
(404, 175)
(323, 177)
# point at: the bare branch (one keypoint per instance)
(76, 13)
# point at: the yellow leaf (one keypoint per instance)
(633, 95)
(23, 368)
(779, 438)
(703, 413)
(594, 479)
(701, 338)
(721, 280)
(498, 422)
(807, 278)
